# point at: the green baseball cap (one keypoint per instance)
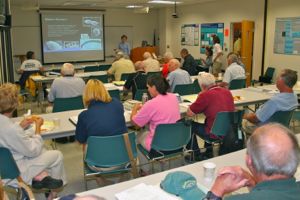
(182, 184)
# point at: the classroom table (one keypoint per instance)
(67, 128)
(196, 169)
(247, 97)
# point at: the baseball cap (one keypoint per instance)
(182, 184)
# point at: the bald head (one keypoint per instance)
(173, 65)
(147, 55)
(139, 66)
(274, 150)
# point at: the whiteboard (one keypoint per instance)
(113, 37)
(25, 38)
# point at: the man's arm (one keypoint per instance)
(251, 117)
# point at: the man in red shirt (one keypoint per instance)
(211, 100)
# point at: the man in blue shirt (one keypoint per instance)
(284, 101)
(177, 76)
(124, 45)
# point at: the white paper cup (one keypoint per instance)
(220, 75)
(209, 171)
(56, 122)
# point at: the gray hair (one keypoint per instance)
(233, 57)
(67, 69)
(168, 55)
(119, 55)
(174, 62)
(206, 79)
(268, 160)
(289, 77)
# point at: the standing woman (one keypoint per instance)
(217, 54)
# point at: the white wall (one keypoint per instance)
(279, 9)
(212, 12)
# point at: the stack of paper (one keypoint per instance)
(145, 192)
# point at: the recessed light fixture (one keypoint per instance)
(134, 6)
(163, 2)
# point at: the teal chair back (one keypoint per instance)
(169, 137)
(109, 151)
(115, 93)
(91, 68)
(237, 84)
(104, 67)
(184, 89)
(125, 76)
(102, 78)
(153, 73)
(282, 117)
(64, 104)
(224, 121)
(197, 87)
(139, 94)
(8, 166)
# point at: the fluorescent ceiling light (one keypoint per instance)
(134, 6)
(163, 2)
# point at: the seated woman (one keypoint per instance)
(39, 168)
(163, 108)
(104, 115)
(207, 63)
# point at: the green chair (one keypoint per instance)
(169, 142)
(65, 104)
(125, 76)
(228, 128)
(197, 87)
(237, 84)
(110, 151)
(104, 67)
(296, 117)
(153, 73)
(139, 94)
(184, 89)
(10, 170)
(91, 68)
(102, 78)
(115, 93)
(282, 117)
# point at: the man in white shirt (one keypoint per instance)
(121, 66)
(234, 70)
(31, 64)
(150, 64)
(177, 76)
(66, 86)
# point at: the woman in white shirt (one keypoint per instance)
(217, 55)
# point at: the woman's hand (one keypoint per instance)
(38, 123)
(26, 122)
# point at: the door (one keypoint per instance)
(247, 47)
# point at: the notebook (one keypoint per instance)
(74, 119)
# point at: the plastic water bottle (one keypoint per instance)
(144, 98)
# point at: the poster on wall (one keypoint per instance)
(287, 36)
(207, 30)
(190, 34)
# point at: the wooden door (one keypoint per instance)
(247, 47)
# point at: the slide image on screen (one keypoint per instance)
(72, 36)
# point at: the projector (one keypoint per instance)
(174, 15)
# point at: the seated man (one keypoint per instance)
(233, 71)
(39, 168)
(165, 67)
(189, 63)
(136, 81)
(284, 101)
(177, 76)
(66, 86)
(150, 64)
(211, 100)
(272, 159)
(121, 65)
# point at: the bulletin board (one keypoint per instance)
(287, 36)
(207, 30)
(190, 34)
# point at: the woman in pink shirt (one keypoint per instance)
(163, 108)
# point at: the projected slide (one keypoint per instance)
(72, 36)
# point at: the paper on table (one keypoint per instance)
(145, 192)
(190, 98)
(74, 119)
